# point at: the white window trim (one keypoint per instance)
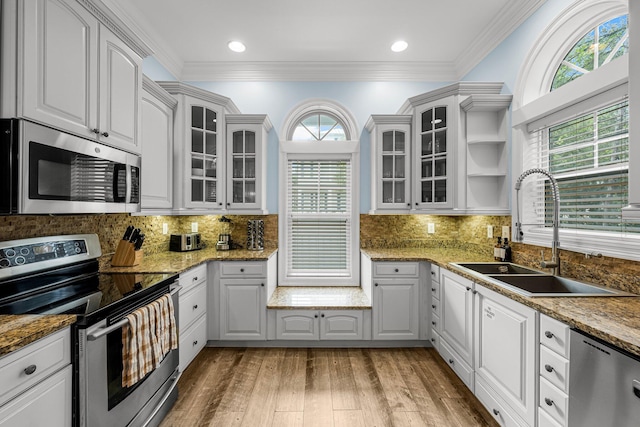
(535, 106)
(319, 150)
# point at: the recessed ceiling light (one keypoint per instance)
(236, 46)
(399, 46)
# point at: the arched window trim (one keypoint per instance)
(320, 106)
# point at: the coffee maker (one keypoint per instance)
(224, 242)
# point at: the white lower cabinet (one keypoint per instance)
(319, 324)
(243, 314)
(505, 353)
(192, 314)
(396, 306)
(554, 373)
(37, 383)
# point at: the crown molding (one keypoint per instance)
(179, 88)
(249, 119)
(157, 91)
(459, 88)
(511, 17)
(317, 71)
(387, 119)
(486, 102)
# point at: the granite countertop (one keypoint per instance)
(612, 319)
(326, 298)
(177, 262)
(16, 331)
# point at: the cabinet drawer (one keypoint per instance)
(495, 408)
(554, 335)
(243, 269)
(456, 363)
(435, 290)
(192, 341)
(435, 340)
(435, 307)
(545, 420)
(435, 323)
(193, 304)
(46, 355)
(553, 401)
(554, 368)
(435, 273)
(193, 277)
(392, 269)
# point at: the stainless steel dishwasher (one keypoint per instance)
(604, 384)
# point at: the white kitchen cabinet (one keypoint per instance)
(505, 353)
(247, 162)
(436, 306)
(244, 287)
(73, 72)
(319, 325)
(390, 163)
(554, 372)
(37, 383)
(446, 170)
(487, 183)
(456, 315)
(157, 110)
(192, 314)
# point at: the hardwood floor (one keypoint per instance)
(278, 387)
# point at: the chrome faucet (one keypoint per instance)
(554, 263)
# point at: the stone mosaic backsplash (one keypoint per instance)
(376, 231)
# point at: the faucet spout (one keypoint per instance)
(554, 263)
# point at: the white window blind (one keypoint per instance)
(319, 208)
(588, 156)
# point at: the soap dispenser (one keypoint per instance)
(507, 251)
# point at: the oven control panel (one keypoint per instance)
(38, 252)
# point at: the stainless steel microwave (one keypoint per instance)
(46, 171)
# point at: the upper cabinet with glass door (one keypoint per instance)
(246, 160)
(199, 169)
(390, 163)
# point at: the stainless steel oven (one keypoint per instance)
(59, 274)
(48, 171)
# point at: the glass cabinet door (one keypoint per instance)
(243, 159)
(204, 174)
(394, 167)
(433, 156)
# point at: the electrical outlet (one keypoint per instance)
(165, 228)
(194, 227)
(431, 228)
(505, 232)
(489, 231)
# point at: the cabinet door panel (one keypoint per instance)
(242, 310)
(396, 309)
(341, 325)
(297, 325)
(60, 56)
(456, 314)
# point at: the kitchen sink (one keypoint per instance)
(495, 268)
(534, 283)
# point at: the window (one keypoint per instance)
(319, 222)
(578, 130)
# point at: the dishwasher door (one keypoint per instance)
(604, 384)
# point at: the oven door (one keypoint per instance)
(103, 402)
(62, 173)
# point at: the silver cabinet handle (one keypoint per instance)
(30, 369)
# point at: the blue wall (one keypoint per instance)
(277, 99)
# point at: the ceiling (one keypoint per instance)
(328, 40)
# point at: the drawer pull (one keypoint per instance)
(315, 315)
(396, 270)
(261, 284)
(433, 323)
(433, 273)
(195, 342)
(433, 340)
(195, 278)
(433, 289)
(636, 388)
(468, 288)
(376, 284)
(30, 369)
(548, 334)
(548, 368)
(548, 401)
(322, 315)
(496, 412)
(451, 361)
(242, 270)
(195, 307)
(433, 306)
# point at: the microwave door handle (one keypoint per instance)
(116, 174)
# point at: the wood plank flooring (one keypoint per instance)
(297, 387)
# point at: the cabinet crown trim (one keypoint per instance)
(250, 119)
(156, 90)
(106, 17)
(179, 88)
(459, 88)
(388, 119)
(486, 102)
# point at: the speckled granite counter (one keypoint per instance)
(16, 331)
(325, 298)
(177, 262)
(612, 319)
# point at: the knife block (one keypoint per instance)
(126, 255)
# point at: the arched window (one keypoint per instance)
(571, 118)
(319, 221)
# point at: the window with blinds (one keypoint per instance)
(319, 209)
(588, 155)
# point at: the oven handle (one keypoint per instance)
(104, 331)
(166, 396)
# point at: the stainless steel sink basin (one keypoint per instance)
(495, 268)
(534, 283)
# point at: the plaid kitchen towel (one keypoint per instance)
(151, 332)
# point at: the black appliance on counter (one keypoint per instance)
(58, 275)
